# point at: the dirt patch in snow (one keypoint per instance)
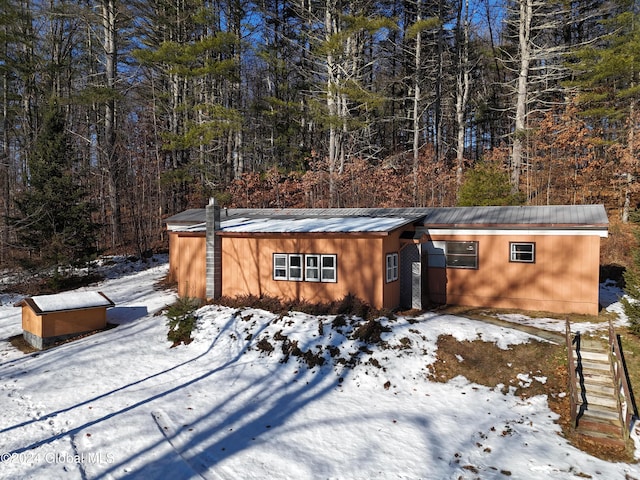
(534, 368)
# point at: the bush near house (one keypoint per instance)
(182, 320)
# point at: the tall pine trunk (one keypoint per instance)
(524, 48)
(462, 85)
(112, 162)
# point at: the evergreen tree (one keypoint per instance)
(55, 221)
(487, 184)
(607, 78)
(631, 302)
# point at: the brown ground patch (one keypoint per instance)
(21, 344)
(486, 364)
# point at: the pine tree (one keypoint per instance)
(607, 78)
(55, 224)
(631, 302)
(487, 184)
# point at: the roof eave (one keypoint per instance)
(520, 226)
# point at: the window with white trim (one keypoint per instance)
(522, 252)
(280, 266)
(311, 267)
(287, 266)
(392, 267)
(462, 254)
(295, 267)
(329, 272)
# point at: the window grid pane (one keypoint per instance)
(392, 267)
(298, 267)
(312, 268)
(279, 266)
(522, 252)
(462, 254)
(328, 268)
(295, 267)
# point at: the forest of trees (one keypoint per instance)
(117, 114)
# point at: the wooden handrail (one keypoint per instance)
(573, 391)
(628, 408)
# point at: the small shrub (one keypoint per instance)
(370, 332)
(182, 320)
(264, 346)
(339, 321)
(348, 305)
(352, 305)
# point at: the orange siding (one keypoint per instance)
(174, 258)
(247, 267)
(30, 321)
(391, 290)
(77, 321)
(190, 257)
(563, 279)
(63, 323)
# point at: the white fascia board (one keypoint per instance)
(602, 233)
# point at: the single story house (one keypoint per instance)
(49, 319)
(542, 258)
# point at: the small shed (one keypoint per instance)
(49, 319)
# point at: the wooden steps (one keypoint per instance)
(598, 402)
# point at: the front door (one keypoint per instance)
(411, 283)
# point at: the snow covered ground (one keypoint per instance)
(123, 404)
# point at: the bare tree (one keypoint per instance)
(463, 82)
(538, 68)
(111, 162)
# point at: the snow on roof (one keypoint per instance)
(268, 220)
(66, 301)
(324, 224)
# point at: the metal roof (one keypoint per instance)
(314, 224)
(270, 220)
(541, 216)
(188, 217)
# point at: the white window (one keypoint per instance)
(329, 270)
(462, 254)
(312, 268)
(280, 266)
(392, 267)
(295, 267)
(523, 252)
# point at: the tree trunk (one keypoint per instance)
(524, 47)
(462, 86)
(4, 170)
(417, 100)
(632, 162)
(109, 149)
(333, 106)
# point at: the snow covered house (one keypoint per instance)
(542, 258)
(48, 319)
